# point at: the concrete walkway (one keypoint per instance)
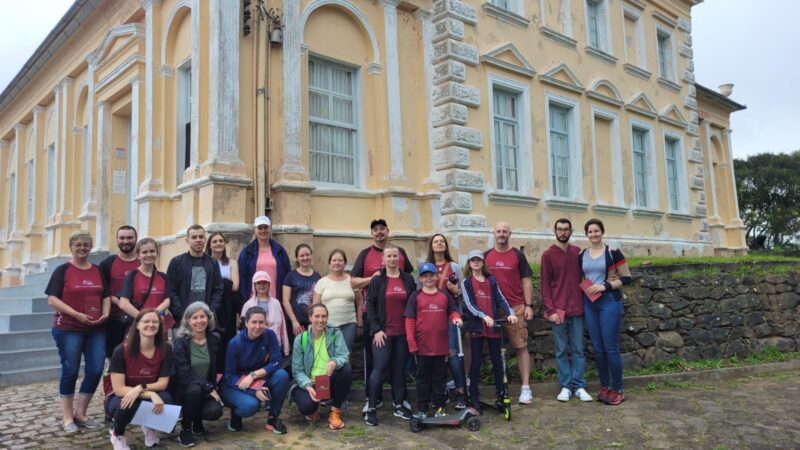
(755, 409)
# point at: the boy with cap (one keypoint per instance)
(427, 312)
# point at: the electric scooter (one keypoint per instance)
(503, 407)
(468, 415)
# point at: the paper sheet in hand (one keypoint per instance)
(162, 422)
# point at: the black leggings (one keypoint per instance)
(393, 356)
(122, 417)
(341, 379)
(476, 347)
(198, 407)
(431, 376)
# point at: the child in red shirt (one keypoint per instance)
(427, 313)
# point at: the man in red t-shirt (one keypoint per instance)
(368, 264)
(510, 268)
(114, 268)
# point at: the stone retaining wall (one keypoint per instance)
(686, 312)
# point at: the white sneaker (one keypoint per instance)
(525, 395)
(564, 395)
(365, 408)
(583, 395)
(407, 405)
(150, 437)
(119, 442)
(450, 385)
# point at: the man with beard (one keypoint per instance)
(510, 268)
(563, 307)
(194, 276)
(114, 268)
(369, 264)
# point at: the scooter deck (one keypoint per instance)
(451, 419)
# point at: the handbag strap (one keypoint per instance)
(149, 289)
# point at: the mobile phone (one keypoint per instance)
(453, 278)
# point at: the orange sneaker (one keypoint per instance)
(335, 420)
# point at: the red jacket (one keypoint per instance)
(561, 277)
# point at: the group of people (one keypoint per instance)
(188, 336)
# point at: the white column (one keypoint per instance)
(133, 152)
(393, 88)
(19, 143)
(65, 127)
(710, 150)
(5, 157)
(223, 127)
(424, 17)
(196, 73)
(37, 129)
(727, 132)
(56, 178)
(148, 184)
(292, 38)
(102, 190)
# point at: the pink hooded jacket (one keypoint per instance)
(275, 320)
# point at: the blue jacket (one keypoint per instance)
(475, 316)
(245, 355)
(247, 267)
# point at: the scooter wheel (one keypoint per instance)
(507, 412)
(473, 424)
(416, 425)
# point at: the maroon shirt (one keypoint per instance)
(430, 314)
(561, 277)
(135, 290)
(509, 268)
(116, 278)
(370, 261)
(140, 369)
(483, 300)
(396, 299)
(78, 288)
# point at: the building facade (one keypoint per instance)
(443, 115)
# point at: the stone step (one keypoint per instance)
(29, 358)
(24, 305)
(25, 322)
(24, 291)
(21, 340)
(25, 376)
(40, 279)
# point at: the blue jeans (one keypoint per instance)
(568, 339)
(603, 319)
(245, 404)
(455, 363)
(71, 345)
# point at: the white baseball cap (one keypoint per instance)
(262, 220)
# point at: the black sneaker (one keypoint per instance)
(198, 429)
(402, 412)
(235, 424)
(461, 402)
(275, 425)
(371, 418)
(186, 438)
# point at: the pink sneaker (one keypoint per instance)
(119, 442)
(603, 395)
(150, 437)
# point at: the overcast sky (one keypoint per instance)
(752, 44)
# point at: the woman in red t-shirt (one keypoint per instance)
(484, 303)
(82, 303)
(146, 287)
(140, 370)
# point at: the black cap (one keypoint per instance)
(377, 222)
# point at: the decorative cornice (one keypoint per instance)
(648, 110)
(566, 205)
(678, 217)
(637, 3)
(611, 210)
(664, 18)
(636, 71)
(502, 198)
(672, 115)
(669, 85)
(524, 68)
(594, 92)
(166, 71)
(562, 39)
(505, 15)
(641, 213)
(573, 85)
(601, 55)
(374, 69)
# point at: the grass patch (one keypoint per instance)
(639, 261)
(768, 355)
(355, 430)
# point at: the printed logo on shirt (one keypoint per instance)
(398, 289)
(481, 293)
(500, 264)
(88, 283)
(145, 372)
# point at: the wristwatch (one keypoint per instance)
(529, 306)
(252, 375)
(143, 386)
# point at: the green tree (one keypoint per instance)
(768, 188)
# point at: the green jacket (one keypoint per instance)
(303, 358)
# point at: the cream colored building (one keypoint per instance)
(445, 115)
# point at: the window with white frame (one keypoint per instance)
(597, 25)
(31, 191)
(506, 139)
(560, 150)
(672, 155)
(333, 125)
(52, 176)
(12, 203)
(183, 110)
(514, 6)
(640, 164)
(633, 28)
(666, 66)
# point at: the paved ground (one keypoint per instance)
(761, 411)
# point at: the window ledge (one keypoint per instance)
(636, 71)
(641, 213)
(601, 55)
(611, 210)
(669, 85)
(505, 15)
(562, 39)
(566, 205)
(503, 198)
(680, 217)
(343, 191)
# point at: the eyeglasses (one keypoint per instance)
(82, 245)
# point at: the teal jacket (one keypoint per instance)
(303, 358)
